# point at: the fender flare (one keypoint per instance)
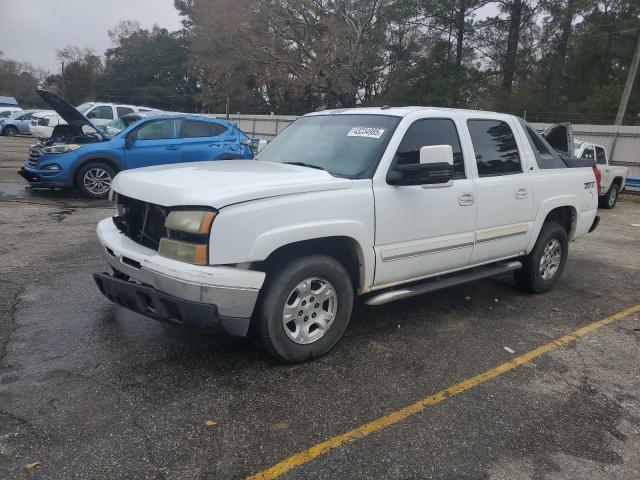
(271, 240)
(547, 206)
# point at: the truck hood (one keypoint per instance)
(68, 112)
(222, 182)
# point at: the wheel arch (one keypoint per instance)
(345, 249)
(111, 160)
(558, 210)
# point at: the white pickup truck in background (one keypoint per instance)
(382, 203)
(613, 178)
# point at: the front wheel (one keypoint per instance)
(10, 131)
(609, 200)
(542, 268)
(304, 308)
(94, 180)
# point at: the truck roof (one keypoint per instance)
(400, 111)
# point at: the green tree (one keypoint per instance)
(147, 67)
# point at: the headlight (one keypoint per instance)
(190, 221)
(188, 236)
(61, 148)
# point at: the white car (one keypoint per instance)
(613, 178)
(381, 203)
(43, 123)
(6, 112)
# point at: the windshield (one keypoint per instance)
(115, 126)
(343, 145)
(84, 107)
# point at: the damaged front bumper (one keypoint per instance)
(217, 299)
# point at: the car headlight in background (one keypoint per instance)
(61, 148)
(188, 236)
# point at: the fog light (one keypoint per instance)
(52, 167)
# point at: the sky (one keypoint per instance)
(32, 30)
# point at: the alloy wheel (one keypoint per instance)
(309, 310)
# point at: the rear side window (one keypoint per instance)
(195, 129)
(428, 132)
(122, 111)
(160, 129)
(495, 148)
(601, 157)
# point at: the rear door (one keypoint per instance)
(155, 142)
(504, 191)
(203, 140)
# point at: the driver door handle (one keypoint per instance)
(173, 147)
(466, 199)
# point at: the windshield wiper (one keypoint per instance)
(302, 164)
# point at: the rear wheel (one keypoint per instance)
(304, 308)
(10, 131)
(609, 200)
(542, 268)
(94, 179)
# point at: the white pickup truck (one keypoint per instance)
(382, 203)
(613, 178)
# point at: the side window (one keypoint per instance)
(588, 153)
(26, 117)
(195, 129)
(102, 112)
(5, 114)
(601, 157)
(427, 132)
(157, 130)
(122, 111)
(217, 129)
(495, 148)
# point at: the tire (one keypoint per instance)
(103, 175)
(609, 200)
(534, 277)
(280, 329)
(10, 131)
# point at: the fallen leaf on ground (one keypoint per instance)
(29, 466)
(210, 423)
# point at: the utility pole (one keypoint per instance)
(629, 85)
(64, 89)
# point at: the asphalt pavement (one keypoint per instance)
(91, 390)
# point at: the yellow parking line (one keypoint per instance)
(394, 417)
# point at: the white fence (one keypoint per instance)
(622, 143)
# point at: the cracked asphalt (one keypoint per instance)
(90, 390)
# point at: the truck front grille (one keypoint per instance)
(142, 222)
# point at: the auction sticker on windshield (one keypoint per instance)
(367, 132)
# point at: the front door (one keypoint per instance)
(504, 191)
(424, 230)
(155, 143)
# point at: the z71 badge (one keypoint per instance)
(589, 185)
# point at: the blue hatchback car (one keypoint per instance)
(80, 155)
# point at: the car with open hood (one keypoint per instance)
(84, 156)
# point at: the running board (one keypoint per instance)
(443, 281)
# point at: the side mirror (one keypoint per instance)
(435, 168)
(129, 141)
